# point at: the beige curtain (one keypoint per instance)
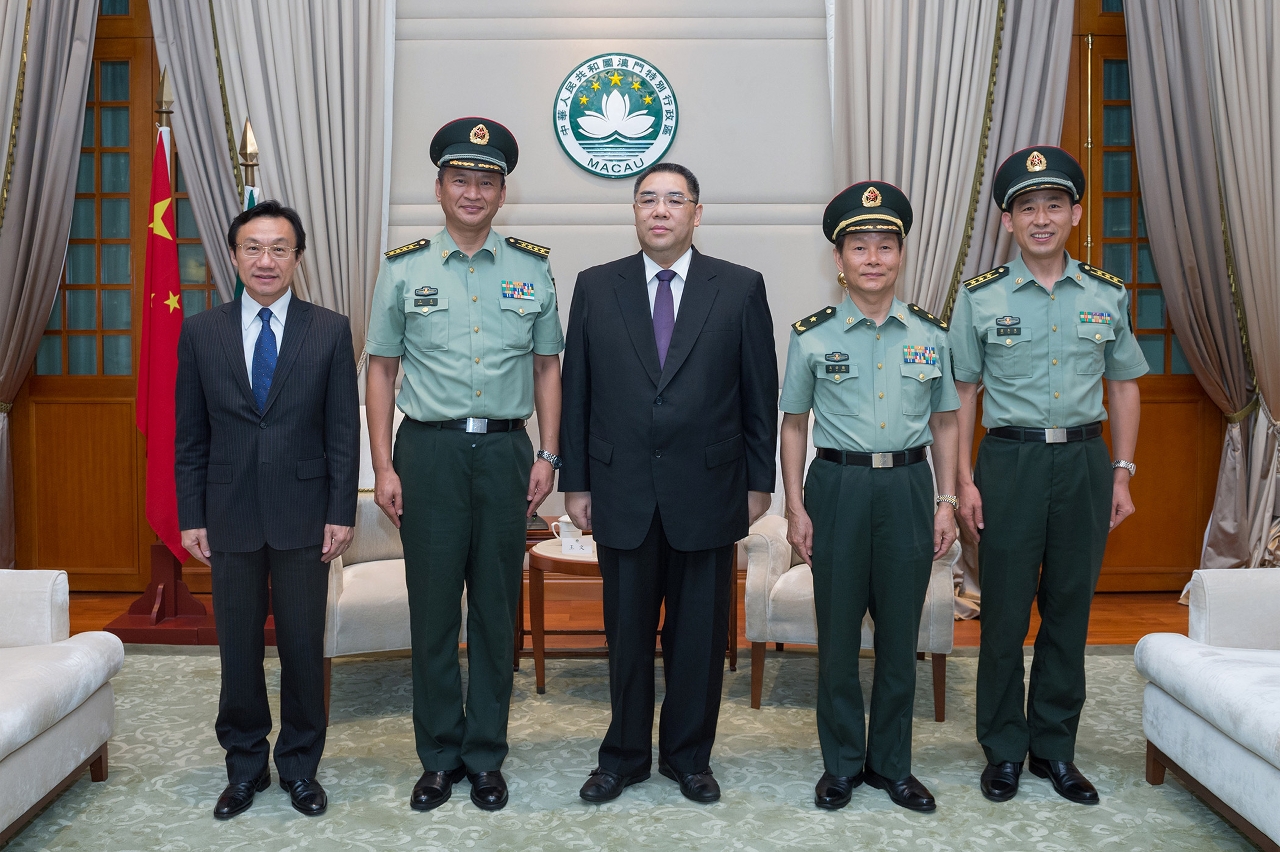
(185, 45)
(39, 191)
(1026, 108)
(315, 80)
(910, 92)
(1244, 96)
(1178, 173)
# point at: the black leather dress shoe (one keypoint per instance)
(833, 792)
(306, 795)
(238, 797)
(698, 787)
(1000, 780)
(605, 786)
(907, 793)
(1067, 781)
(434, 788)
(488, 790)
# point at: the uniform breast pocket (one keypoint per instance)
(426, 323)
(1091, 343)
(836, 390)
(517, 323)
(1008, 353)
(917, 387)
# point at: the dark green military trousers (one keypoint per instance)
(872, 551)
(1046, 510)
(463, 521)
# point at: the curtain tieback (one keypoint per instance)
(6, 407)
(1240, 415)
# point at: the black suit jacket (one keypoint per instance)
(690, 438)
(274, 477)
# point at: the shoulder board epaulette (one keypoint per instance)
(1102, 275)
(532, 248)
(403, 250)
(986, 278)
(928, 317)
(803, 325)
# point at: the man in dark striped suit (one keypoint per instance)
(267, 457)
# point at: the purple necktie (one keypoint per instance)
(664, 314)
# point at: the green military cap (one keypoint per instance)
(1041, 167)
(871, 205)
(475, 143)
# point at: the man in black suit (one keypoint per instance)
(668, 430)
(268, 449)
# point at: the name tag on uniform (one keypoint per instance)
(1009, 332)
(837, 368)
(837, 357)
(919, 354)
(517, 290)
(428, 303)
(426, 291)
(1100, 317)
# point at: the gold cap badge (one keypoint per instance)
(480, 136)
(871, 198)
(1036, 162)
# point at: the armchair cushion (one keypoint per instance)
(1226, 609)
(33, 608)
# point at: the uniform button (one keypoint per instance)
(1055, 328)
(657, 454)
(837, 377)
(477, 393)
(473, 298)
(922, 375)
(471, 269)
(1055, 362)
(882, 394)
(1055, 394)
(879, 366)
(659, 401)
(424, 310)
(1008, 342)
(877, 337)
(522, 311)
(476, 329)
(262, 424)
(881, 425)
(1097, 337)
(477, 360)
(1052, 298)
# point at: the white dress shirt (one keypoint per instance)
(251, 325)
(680, 268)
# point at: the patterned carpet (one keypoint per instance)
(167, 771)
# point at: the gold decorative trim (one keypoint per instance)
(17, 113)
(883, 217)
(226, 110)
(1236, 301)
(975, 191)
(1237, 416)
(6, 407)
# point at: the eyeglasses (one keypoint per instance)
(674, 200)
(253, 251)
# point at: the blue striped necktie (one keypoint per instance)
(264, 360)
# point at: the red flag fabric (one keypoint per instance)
(158, 365)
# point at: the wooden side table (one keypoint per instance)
(546, 557)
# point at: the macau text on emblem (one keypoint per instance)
(615, 115)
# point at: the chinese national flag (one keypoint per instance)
(158, 366)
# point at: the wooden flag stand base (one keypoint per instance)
(167, 613)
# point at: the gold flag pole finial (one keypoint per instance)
(248, 155)
(164, 101)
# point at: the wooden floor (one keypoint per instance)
(1118, 618)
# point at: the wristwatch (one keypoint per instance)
(1127, 465)
(947, 498)
(552, 458)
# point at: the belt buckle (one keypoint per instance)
(1055, 436)
(479, 424)
(882, 459)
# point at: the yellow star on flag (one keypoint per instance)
(648, 99)
(595, 85)
(615, 78)
(635, 84)
(157, 219)
(583, 100)
(172, 302)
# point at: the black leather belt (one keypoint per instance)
(911, 456)
(1048, 436)
(479, 425)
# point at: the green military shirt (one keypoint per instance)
(1042, 356)
(871, 388)
(466, 328)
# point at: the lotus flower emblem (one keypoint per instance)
(616, 117)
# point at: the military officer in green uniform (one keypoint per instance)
(877, 374)
(472, 317)
(1041, 333)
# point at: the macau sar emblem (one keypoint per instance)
(616, 115)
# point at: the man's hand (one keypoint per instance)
(386, 493)
(800, 533)
(197, 543)
(1121, 503)
(541, 478)
(757, 504)
(944, 529)
(336, 541)
(577, 505)
(970, 508)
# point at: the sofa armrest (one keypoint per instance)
(1235, 608)
(768, 558)
(33, 608)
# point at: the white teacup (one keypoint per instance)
(563, 527)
